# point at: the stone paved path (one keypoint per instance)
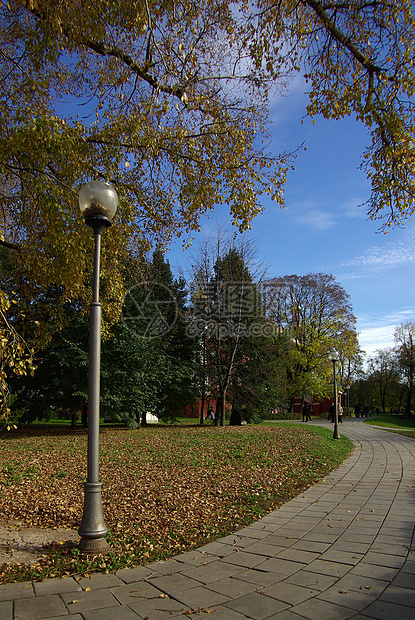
(343, 549)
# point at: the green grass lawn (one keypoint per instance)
(399, 424)
(165, 489)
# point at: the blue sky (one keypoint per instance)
(323, 229)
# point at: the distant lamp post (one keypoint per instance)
(348, 399)
(334, 357)
(98, 204)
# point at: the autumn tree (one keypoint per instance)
(16, 358)
(60, 380)
(405, 344)
(148, 362)
(357, 59)
(317, 314)
(169, 100)
(383, 372)
(136, 93)
(239, 354)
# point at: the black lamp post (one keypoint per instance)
(334, 357)
(98, 204)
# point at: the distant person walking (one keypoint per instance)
(332, 412)
(306, 412)
(210, 414)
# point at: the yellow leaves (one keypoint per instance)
(15, 355)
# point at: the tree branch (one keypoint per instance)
(11, 246)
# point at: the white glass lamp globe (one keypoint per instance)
(334, 356)
(98, 199)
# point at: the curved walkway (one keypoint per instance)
(343, 549)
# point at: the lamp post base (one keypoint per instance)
(93, 529)
(93, 546)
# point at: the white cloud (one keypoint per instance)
(380, 259)
(376, 332)
(312, 217)
(375, 338)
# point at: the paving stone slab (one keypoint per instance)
(382, 610)
(253, 532)
(399, 595)
(262, 548)
(123, 613)
(404, 580)
(100, 581)
(196, 558)
(289, 593)
(310, 545)
(278, 540)
(383, 559)
(212, 572)
(366, 585)
(256, 606)
(322, 535)
(377, 572)
(172, 583)
(390, 549)
(56, 586)
(282, 567)
(286, 614)
(233, 587)
(244, 559)
(217, 549)
(159, 609)
(260, 578)
(39, 607)
(168, 567)
(344, 557)
(132, 592)
(325, 567)
(201, 597)
(128, 575)
(298, 555)
(316, 609)
(14, 591)
(71, 617)
(6, 610)
(243, 543)
(79, 602)
(218, 612)
(351, 547)
(356, 600)
(311, 580)
(409, 567)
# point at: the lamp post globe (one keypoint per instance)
(334, 357)
(98, 204)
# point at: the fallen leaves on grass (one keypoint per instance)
(165, 490)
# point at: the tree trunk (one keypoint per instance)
(409, 401)
(223, 409)
(74, 419)
(236, 418)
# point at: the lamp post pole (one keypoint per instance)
(98, 203)
(334, 357)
